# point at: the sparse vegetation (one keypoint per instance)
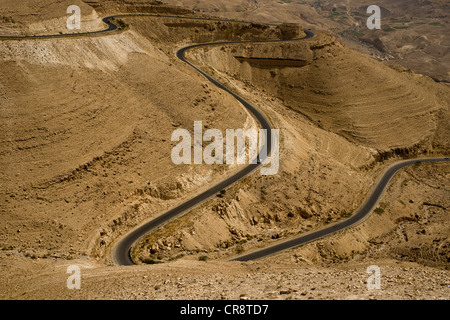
(357, 14)
(330, 112)
(176, 257)
(150, 261)
(393, 20)
(384, 205)
(346, 214)
(388, 29)
(356, 33)
(122, 25)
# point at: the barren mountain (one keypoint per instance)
(86, 125)
(413, 33)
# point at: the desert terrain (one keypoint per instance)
(86, 126)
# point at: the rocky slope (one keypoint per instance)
(85, 139)
(412, 35)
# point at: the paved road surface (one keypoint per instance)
(360, 215)
(121, 251)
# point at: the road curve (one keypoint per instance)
(365, 209)
(111, 26)
(122, 250)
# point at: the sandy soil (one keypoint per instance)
(85, 151)
(413, 33)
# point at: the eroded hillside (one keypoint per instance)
(86, 142)
(299, 83)
(342, 91)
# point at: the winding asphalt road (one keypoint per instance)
(111, 26)
(122, 250)
(366, 208)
